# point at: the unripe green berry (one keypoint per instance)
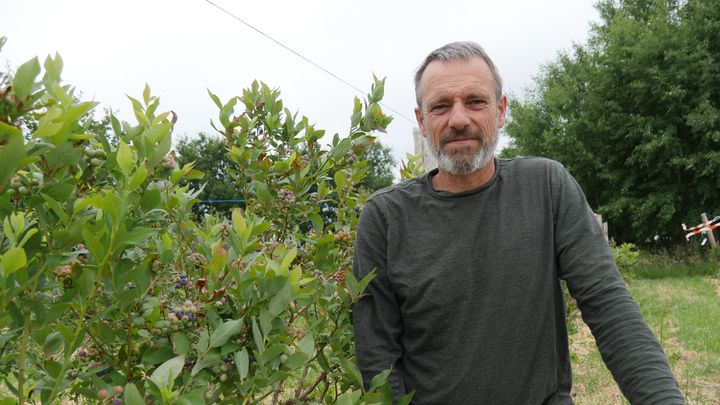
(23, 190)
(223, 377)
(95, 162)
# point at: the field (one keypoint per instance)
(681, 302)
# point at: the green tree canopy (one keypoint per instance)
(210, 156)
(634, 115)
(380, 164)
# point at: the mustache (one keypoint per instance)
(465, 133)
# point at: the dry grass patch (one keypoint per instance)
(684, 313)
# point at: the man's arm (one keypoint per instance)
(376, 316)
(627, 345)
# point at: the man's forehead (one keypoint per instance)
(458, 72)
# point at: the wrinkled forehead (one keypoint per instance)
(471, 75)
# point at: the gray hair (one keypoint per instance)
(458, 51)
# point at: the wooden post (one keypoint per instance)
(709, 233)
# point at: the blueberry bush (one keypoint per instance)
(112, 293)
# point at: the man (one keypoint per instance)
(467, 305)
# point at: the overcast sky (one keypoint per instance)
(181, 48)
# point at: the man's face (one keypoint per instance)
(460, 114)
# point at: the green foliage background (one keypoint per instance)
(635, 116)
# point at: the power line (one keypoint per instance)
(306, 59)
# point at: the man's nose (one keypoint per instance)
(459, 119)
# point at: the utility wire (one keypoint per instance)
(306, 59)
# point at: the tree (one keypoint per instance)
(634, 115)
(210, 156)
(380, 167)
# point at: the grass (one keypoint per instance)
(680, 300)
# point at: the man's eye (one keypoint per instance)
(438, 107)
(477, 101)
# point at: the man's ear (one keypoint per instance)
(502, 109)
(419, 118)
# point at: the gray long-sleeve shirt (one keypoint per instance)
(467, 305)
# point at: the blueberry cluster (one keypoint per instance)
(287, 196)
(186, 313)
(182, 281)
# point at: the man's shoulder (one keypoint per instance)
(530, 163)
(528, 167)
(400, 190)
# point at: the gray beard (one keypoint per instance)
(458, 164)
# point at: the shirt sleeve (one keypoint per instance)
(376, 316)
(628, 347)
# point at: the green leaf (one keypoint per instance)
(203, 342)
(53, 67)
(363, 283)
(238, 221)
(150, 200)
(63, 155)
(159, 136)
(56, 208)
(146, 94)
(296, 360)
(258, 337)
(181, 343)
(352, 285)
(317, 223)
(13, 259)
(340, 179)
(164, 376)
(287, 260)
(12, 151)
(352, 370)
(379, 380)
(54, 342)
(138, 177)
(349, 398)
(261, 191)
(405, 400)
(225, 331)
(265, 321)
(307, 344)
(194, 397)
(215, 99)
(280, 301)
(125, 158)
(209, 360)
(342, 148)
(242, 362)
(24, 80)
(131, 395)
(156, 355)
(226, 111)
